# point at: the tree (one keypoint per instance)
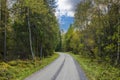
(42, 27)
(30, 39)
(3, 25)
(97, 26)
(68, 37)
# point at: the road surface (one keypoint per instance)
(63, 68)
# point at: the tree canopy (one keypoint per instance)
(29, 27)
(96, 30)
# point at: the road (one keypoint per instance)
(63, 68)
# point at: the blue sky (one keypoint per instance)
(65, 22)
(65, 12)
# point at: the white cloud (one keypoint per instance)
(66, 7)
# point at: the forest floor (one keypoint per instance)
(97, 71)
(19, 69)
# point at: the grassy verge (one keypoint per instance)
(19, 69)
(97, 71)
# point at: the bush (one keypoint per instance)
(13, 63)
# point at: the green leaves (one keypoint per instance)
(95, 32)
(43, 26)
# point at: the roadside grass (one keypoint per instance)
(97, 71)
(19, 69)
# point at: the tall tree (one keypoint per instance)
(42, 27)
(98, 25)
(30, 37)
(3, 22)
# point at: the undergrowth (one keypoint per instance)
(97, 71)
(19, 69)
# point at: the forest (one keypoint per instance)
(28, 28)
(29, 32)
(30, 35)
(94, 38)
(96, 31)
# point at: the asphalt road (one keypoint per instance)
(63, 68)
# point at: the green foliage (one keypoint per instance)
(97, 70)
(19, 69)
(68, 38)
(43, 26)
(95, 32)
(20, 19)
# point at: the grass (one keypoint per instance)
(97, 71)
(19, 69)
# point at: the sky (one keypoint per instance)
(65, 12)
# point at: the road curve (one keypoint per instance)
(63, 68)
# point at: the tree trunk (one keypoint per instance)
(4, 24)
(30, 39)
(41, 51)
(5, 35)
(118, 52)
